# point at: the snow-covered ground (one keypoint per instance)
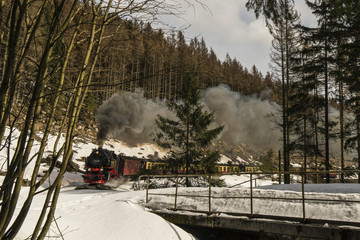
(81, 148)
(103, 214)
(110, 214)
(95, 214)
(123, 214)
(230, 200)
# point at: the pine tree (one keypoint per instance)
(348, 12)
(306, 104)
(280, 18)
(324, 41)
(188, 137)
(284, 46)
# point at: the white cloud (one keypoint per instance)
(228, 27)
(306, 16)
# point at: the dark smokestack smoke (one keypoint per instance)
(100, 142)
(130, 117)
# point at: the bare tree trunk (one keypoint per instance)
(305, 149)
(342, 131)
(327, 147)
(284, 121)
(81, 90)
(13, 40)
(11, 233)
(358, 141)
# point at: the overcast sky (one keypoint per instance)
(228, 27)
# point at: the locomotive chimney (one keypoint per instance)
(100, 142)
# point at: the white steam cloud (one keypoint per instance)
(246, 118)
(130, 117)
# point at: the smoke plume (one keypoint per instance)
(246, 118)
(130, 117)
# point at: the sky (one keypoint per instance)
(228, 27)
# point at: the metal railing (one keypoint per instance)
(251, 196)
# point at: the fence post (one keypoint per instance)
(209, 194)
(176, 191)
(303, 194)
(279, 167)
(139, 183)
(147, 189)
(251, 196)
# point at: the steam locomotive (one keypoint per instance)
(103, 165)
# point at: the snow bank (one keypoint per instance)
(317, 188)
(113, 214)
(232, 200)
(92, 214)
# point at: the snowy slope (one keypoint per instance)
(95, 214)
(122, 214)
(278, 207)
(81, 148)
(113, 214)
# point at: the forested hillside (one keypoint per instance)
(137, 56)
(61, 59)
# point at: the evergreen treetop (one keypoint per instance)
(189, 136)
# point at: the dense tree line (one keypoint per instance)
(318, 68)
(138, 56)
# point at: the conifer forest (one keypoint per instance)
(61, 59)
